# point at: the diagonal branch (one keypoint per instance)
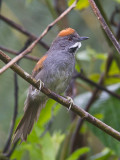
(29, 49)
(16, 88)
(77, 75)
(22, 30)
(104, 25)
(80, 121)
(34, 58)
(79, 111)
(97, 85)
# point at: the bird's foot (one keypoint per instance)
(41, 85)
(70, 101)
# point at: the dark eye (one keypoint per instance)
(70, 38)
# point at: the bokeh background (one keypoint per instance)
(51, 138)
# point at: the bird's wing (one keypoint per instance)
(39, 65)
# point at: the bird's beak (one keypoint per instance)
(83, 38)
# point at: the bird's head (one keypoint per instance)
(68, 40)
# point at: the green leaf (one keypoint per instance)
(90, 54)
(117, 1)
(80, 5)
(101, 56)
(111, 80)
(83, 56)
(77, 67)
(57, 139)
(46, 112)
(44, 148)
(95, 54)
(79, 152)
(104, 155)
(34, 151)
(99, 116)
(48, 143)
(113, 68)
(18, 153)
(95, 77)
(109, 107)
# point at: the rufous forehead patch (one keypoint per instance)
(66, 32)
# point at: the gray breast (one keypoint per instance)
(59, 73)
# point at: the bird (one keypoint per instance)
(54, 70)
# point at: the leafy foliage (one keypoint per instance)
(107, 109)
(43, 148)
(104, 155)
(80, 5)
(79, 152)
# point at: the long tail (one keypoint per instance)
(31, 114)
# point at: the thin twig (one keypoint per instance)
(29, 49)
(8, 149)
(116, 24)
(93, 98)
(112, 19)
(60, 6)
(51, 9)
(80, 121)
(9, 153)
(8, 142)
(7, 145)
(104, 25)
(97, 85)
(114, 76)
(33, 58)
(23, 30)
(79, 111)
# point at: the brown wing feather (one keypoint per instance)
(39, 65)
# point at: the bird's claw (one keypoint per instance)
(70, 101)
(41, 85)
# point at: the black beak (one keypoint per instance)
(83, 38)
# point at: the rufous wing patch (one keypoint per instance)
(66, 32)
(39, 65)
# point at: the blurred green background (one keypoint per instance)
(55, 143)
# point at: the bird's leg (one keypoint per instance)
(70, 101)
(41, 85)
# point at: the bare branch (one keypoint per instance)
(112, 19)
(29, 49)
(23, 30)
(104, 25)
(7, 145)
(79, 111)
(97, 85)
(8, 142)
(80, 121)
(16, 53)
(9, 153)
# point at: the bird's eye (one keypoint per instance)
(70, 38)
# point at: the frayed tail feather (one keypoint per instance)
(25, 126)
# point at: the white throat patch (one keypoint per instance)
(77, 44)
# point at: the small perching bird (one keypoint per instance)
(55, 70)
